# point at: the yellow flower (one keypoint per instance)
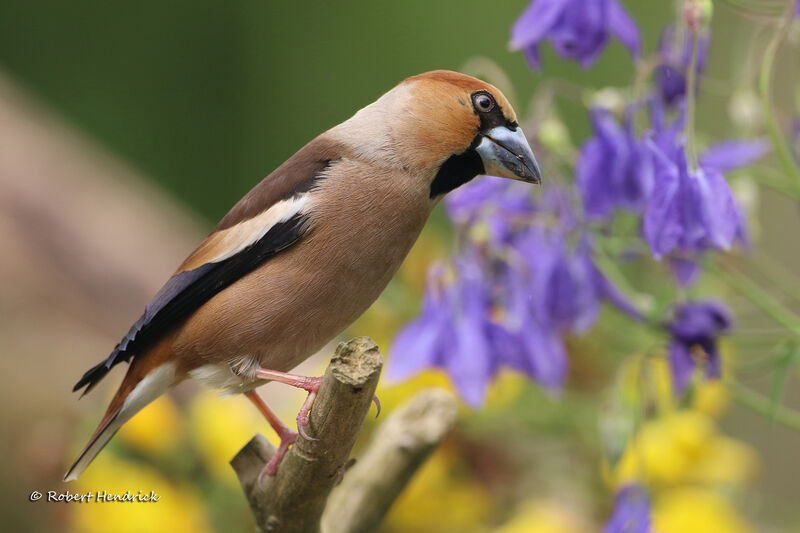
(711, 398)
(725, 461)
(696, 510)
(543, 516)
(220, 426)
(647, 380)
(392, 394)
(683, 446)
(439, 500)
(664, 449)
(502, 391)
(178, 509)
(156, 429)
(505, 388)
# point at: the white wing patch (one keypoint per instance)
(226, 243)
(236, 238)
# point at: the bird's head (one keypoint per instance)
(447, 126)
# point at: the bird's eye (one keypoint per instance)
(483, 102)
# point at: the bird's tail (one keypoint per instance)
(135, 392)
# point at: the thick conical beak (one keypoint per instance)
(507, 154)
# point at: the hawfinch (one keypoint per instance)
(308, 249)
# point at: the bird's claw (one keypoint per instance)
(303, 417)
(377, 403)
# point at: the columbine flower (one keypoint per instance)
(614, 168)
(563, 295)
(689, 210)
(482, 315)
(692, 211)
(733, 154)
(631, 512)
(463, 330)
(577, 29)
(499, 203)
(548, 292)
(696, 326)
(450, 332)
(675, 56)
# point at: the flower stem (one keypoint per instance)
(753, 7)
(769, 305)
(691, 97)
(773, 179)
(781, 279)
(763, 405)
(765, 80)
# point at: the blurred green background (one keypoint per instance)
(208, 97)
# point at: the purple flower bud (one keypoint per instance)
(696, 325)
(577, 29)
(685, 270)
(675, 56)
(631, 512)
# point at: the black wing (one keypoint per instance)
(187, 291)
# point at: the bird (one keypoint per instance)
(303, 254)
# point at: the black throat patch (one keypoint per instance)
(457, 170)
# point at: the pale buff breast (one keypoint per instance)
(363, 225)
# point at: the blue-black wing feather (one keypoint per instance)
(185, 292)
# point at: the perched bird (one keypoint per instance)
(310, 247)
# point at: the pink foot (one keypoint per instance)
(312, 386)
(309, 384)
(301, 382)
(271, 468)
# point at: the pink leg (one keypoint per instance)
(286, 435)
(301, 382)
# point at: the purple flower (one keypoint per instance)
(565, 296)
(577, 29)
(675, 56)
(565, 287)
(615, 170)
(696, 326)
(733, 154)
(689, 210)
(685, 269)
(502, 204)
(450, 332)
(484, 314)
(464, 329)
(631, 512)
(525, 344)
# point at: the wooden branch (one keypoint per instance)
(400, 446)
(293, 500)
